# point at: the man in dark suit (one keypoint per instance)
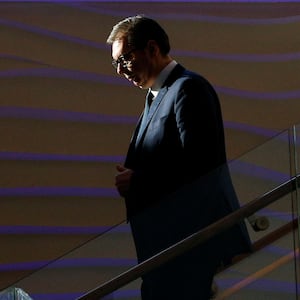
(175, 179)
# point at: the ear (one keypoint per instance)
(152, 47)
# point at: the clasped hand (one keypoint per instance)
(122, 179)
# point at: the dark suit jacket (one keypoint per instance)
(182, 142)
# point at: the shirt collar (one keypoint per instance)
(162, 77)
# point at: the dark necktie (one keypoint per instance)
(148, 102)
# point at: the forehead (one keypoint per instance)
(119, 47)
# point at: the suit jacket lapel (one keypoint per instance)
(153, 108)
(156, 103)
(178, 70)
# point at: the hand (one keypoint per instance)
(122, 179)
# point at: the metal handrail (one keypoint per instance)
(192, 241)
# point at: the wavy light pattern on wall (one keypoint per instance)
(56, 79)
(79, 75)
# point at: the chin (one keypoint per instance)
(140, 85)
(144, 85)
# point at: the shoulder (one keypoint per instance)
(180, 74)
(184, 78)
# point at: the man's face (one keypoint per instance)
(135, 65)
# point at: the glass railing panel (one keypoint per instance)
(297, 171)
(298, 204)
(84, 268)
(112, 253)
(266, 274)
(260, 171)
(270, 272)
(295, 158)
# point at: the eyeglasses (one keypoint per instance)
(123, 59)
